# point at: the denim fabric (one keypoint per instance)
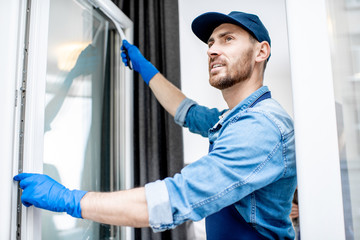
(251, 165)
(198, 119)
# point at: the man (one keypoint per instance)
(244, 186)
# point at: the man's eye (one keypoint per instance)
(229, 39)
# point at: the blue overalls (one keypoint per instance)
(228, 224)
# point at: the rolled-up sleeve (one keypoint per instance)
(199, 119)
(181, 111)
(159, 208)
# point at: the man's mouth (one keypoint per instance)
(217, 65)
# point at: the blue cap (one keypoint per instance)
(204, 25)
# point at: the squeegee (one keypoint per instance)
(112, 12)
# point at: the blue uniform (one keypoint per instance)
(249, 171)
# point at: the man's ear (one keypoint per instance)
(264, 52)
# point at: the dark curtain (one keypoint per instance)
(158, 147)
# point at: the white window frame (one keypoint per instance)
(317, 153)
(10, 75)
(35, 102)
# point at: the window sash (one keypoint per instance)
(34, 112)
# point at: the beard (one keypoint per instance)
(243, 71)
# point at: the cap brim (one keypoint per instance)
(204, 25)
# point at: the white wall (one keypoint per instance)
(194, 69)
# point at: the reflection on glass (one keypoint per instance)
(74, 111)
(343, 20)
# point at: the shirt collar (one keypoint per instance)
(246, 103)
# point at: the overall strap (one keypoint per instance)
(262, 97)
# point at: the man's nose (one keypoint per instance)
(213, 51)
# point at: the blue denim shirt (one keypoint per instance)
(251, 165)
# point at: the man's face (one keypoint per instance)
(231, 56)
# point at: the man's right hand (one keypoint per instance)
(44, 192)
(139, 62)
(165, 92)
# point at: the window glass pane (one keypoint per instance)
(344, 29)
(77, 112)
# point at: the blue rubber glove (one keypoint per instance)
(44, 192)
(140, 64)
